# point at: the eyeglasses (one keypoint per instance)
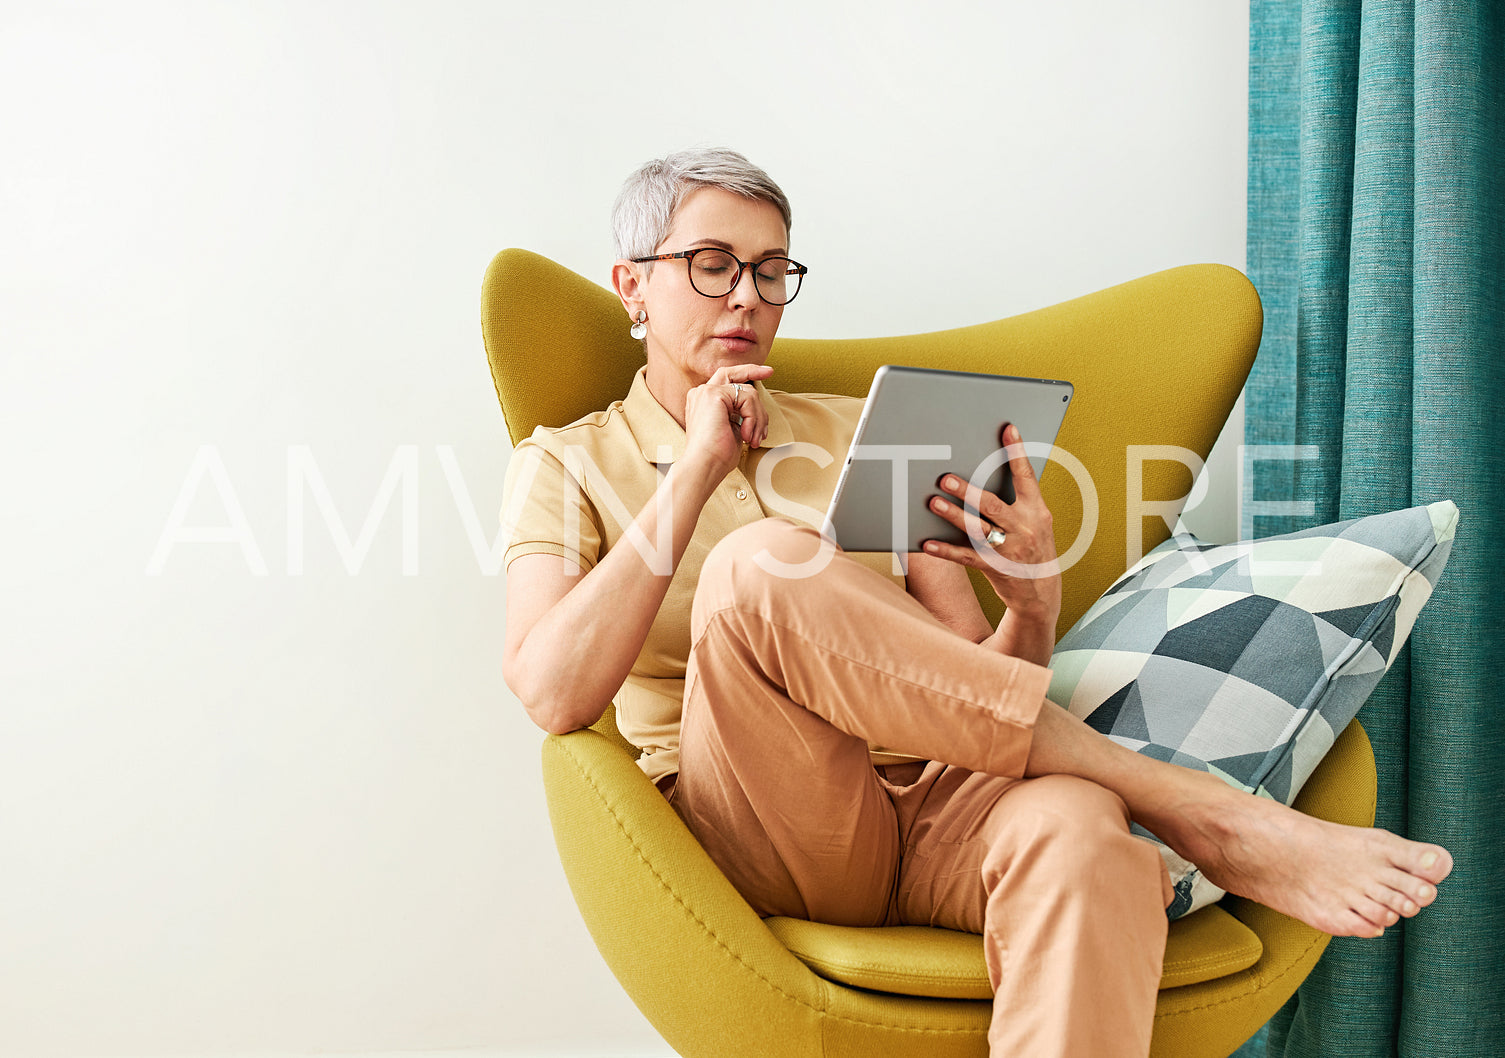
(716, 273)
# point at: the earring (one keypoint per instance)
(640, 326)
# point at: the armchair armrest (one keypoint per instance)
(683, 943)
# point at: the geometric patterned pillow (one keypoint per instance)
(1247, 660)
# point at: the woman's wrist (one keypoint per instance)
(694, 479)
(1028, 636)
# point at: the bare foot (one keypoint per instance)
(1347, 881)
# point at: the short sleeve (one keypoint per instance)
(545, 510)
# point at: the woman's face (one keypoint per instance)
(690, 336)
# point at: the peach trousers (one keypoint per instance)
(791, 676)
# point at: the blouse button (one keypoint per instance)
(741, 494)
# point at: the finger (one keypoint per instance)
(742, 405)
(991, 508)
(749, 411)
(744, 373)
(960, 516)
(722, 394)
(749, 404)
(1001, 570)
(1019, 465)
(958, 553)
(735, 389)
(980, 557)
(728, 396)
(759, 421)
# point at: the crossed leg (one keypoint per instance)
(789, 680)
(1070, 905)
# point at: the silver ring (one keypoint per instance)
(995, 538)
(736, 391)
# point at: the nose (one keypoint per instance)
(744, 292)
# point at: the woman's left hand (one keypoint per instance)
(1022, 567)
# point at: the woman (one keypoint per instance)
(849, 745)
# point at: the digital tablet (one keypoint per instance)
(918, 425)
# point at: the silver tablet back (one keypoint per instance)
(919, 424)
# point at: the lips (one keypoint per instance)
(738, 342)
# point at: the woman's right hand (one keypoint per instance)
(711, 432)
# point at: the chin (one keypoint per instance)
(753, 358)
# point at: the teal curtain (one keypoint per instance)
(1377, 242)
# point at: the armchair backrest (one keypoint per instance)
(1157, 361)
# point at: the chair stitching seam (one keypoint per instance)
(1263, 984)
(1194, 962)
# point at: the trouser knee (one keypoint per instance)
(1076, 833)
(764, 558)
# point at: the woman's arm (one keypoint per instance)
(944, 589)
(572, 638)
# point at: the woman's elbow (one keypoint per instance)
(557, 713)
(560, 718)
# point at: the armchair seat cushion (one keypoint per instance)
(945, 964)
(901, 960)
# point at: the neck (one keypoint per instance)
(670, 390)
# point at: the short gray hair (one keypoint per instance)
(645, 208)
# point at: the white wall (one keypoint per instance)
(286, 813)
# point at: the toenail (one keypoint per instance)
(1411, 908)
(1429, 861)
(1427, 892)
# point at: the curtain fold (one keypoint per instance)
(1377, 241)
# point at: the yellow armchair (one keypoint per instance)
(1157, 361)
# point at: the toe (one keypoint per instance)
(1354, 924)
(1392, 892)
(1376, 912)
(1408, 885)
(1432, 862)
